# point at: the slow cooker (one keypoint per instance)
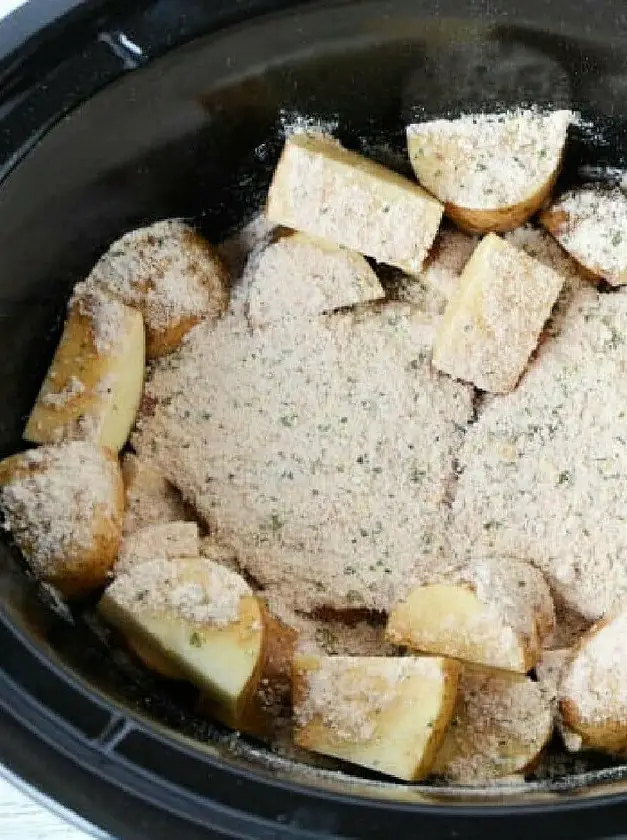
(114, 114)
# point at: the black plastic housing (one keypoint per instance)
(114, 114)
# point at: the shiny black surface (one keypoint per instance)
(187, 120)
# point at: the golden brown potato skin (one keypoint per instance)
(77, 572)
(555, 220)
(502, 219)
(269, 689)
(607, 735)
(160, 342)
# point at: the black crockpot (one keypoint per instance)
(114, 114)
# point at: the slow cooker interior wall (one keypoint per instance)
(196, 134)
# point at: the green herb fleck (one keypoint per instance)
(417, 475)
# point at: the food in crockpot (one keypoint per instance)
(168, 272)
(492, 171)
(322, 452)
(491, 612)
(400, 472)
(168, 539)
(324, 190)
(149, 498)
(543, 470)
(94, 385)
(500, 725)
(205, 620)
(386, 713)
(591, 224)
(322, 278)
(63, 504)
(592, 689)
(494, 319)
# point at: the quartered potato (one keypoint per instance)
(168, 272)
(492, 171)
(270, 702)
(63, 506)
(493, 321)
(299, 276)
(94, 385)
(150, 499)
(204, 621)
(590, 223)
(500, 724)
(388, 714)
(593, 686)
(324, 190)
(171, 539)
(494, 612)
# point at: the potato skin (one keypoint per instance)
(107, 382)
(78, 571)
(502, 219)
(607, 735)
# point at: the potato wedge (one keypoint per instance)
(500, 725)
(150, 499)
(492, 612)
(298, 276)
(593, 686)
(168, 272)
(590, 223)
(170, 540)
(492, 171)
(268, 706)
(94, 385)
(63, 506)
(204, 621)
(492, 323)
(326, 191)
(388, 714)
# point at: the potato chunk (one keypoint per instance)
(200, 617)
(168, 272)
(327, 191)
(593, 686)
(492, 171)
(171, 539)
(204, 622)
(63, 506)
(591, 224)
(150, 499)
(492, 323)
(500, 725)
(388, 714)
(298, 276)
(493, 612)
(94, 385)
